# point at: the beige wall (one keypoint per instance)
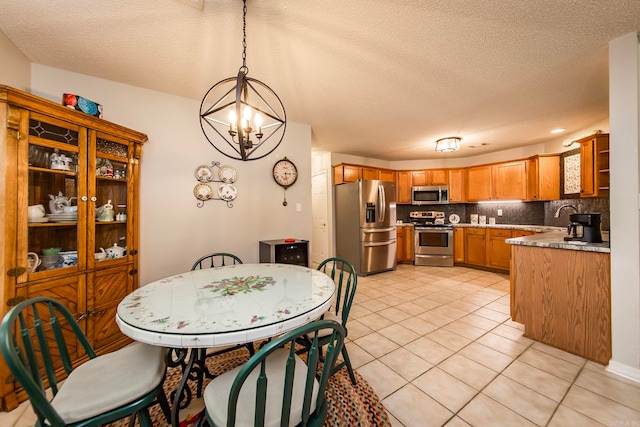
(174, 232)
(15, 70)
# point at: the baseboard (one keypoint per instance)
(624, 371)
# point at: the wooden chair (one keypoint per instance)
(40, 339)
(275, 387)
(344, 275)
(216, 259)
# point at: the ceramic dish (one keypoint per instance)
(454, 218)
(203, 191)
(203, 173)
(227, 192)
(38, 220)
(227, 174)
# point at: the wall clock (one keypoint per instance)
(285, 174)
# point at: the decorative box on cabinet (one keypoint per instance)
(285, 252)
(35, 131)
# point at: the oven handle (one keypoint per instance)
(377, 230)
(387, 243)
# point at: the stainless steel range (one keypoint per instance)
(433, 239)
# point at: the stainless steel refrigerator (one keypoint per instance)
(366, 225)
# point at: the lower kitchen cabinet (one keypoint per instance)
(475, 246)
(498, 253)
(404, 237)
(563, 298)
(458, 245)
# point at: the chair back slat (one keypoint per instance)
(45, 351)
(288, 342)
(345, 278)
(216, 259)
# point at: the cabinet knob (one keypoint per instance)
(84, 198)
(133, 252)
(94, 198)
(133, 272)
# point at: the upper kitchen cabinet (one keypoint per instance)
(403, 187)
(346, 173)
(594, 165)
(479, 183)
(343, 173)
(429, 177)
(501, 181)
(457, 185)
(69, 187)
(543, 177)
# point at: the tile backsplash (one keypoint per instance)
(522, 213)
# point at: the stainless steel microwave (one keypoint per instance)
(430, 195)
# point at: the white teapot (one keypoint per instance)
(58, 203)
(115, 251)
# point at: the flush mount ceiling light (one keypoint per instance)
(242, 117)
(448, 144)
(558, 130)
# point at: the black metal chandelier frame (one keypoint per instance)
(233, 138)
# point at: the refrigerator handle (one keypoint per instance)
(378, 230)
(382, 203)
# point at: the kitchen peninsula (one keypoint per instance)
(561, 292)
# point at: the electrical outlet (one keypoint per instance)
(499, 212)
(298, 207)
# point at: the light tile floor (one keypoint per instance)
(439, 348)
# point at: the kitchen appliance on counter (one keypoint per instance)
(584, 227)
(365, 225)
(433, 239)
(430, 195)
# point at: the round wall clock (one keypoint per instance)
(285, 174)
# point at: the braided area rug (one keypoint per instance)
(349, 405)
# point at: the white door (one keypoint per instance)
(319, 237)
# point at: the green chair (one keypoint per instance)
(39, 338)
(216, 259)
(275, 387)
(344, 275)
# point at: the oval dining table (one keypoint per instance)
(216, 307)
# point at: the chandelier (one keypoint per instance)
(242, 117)
(448, 144)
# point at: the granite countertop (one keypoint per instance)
(555, 239)
(535, 228)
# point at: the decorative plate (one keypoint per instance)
(227, 174)
(203, 191)
(454, 218)
(203, 173)
(227, 192)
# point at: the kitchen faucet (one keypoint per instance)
(557, 214)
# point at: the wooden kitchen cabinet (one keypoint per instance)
(458, 245)
(475, 246)
(563, 298)
(509, 181)
(387, 175)
(479, 183)
(403, 187)
(543, 177)
(343, 173)
(594, 165)
(498, 253)
(104, 167)
(370, 173)
(457, 187)
(404, 237)
(429, 177)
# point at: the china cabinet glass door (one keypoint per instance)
(51, 222)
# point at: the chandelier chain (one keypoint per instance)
(244, 38)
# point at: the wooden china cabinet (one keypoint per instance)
(102, 166)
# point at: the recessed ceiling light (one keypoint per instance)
(559, 130)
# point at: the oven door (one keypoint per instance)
(433, 241)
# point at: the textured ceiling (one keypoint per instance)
(381, 79)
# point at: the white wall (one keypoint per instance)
(624, 110)
(174, 232)
(15, 70)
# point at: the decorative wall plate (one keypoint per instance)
(203, 191)
(204, 173)
(227, 174)
(227, 192)
(454, 218)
